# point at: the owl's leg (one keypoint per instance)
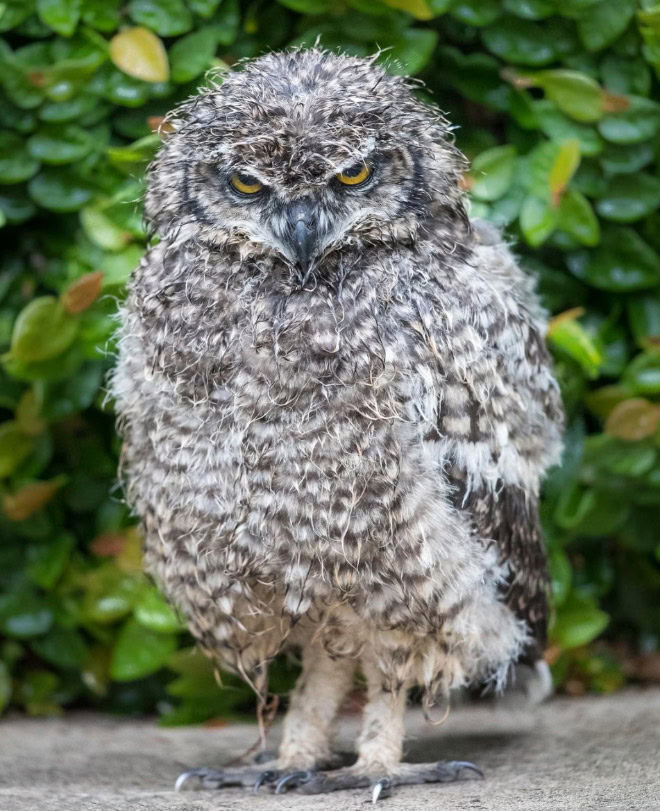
(380, 745)
(307, 729)
(308, 726)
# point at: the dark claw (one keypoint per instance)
(465, 764)
(266, 777)
(382, 789)
(292, 777)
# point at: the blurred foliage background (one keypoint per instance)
(557, 106)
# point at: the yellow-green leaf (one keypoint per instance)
(139, 53)
(571, 338)
(564, 167)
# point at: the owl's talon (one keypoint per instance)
(268, 776)
(183, 778)
(381, 790)
(292, 777)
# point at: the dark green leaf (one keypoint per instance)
(48, 560)
(63, 647)
(59, 190)
(476, 12)
(192, 54)
(577, 218)
(622, 262)
(154, 613)
(42, 330)
(168, 18)
(622, 159)
(492, 172)
(139, 652)
(538, 219)
(630, 197)
(60, 15)
(639, 122)
(24, 614)
(601, 24)
(519, 41)
(57, 145)
(14, 447)
(16, 163)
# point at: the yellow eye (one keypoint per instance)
(354, 175)
(245, 184)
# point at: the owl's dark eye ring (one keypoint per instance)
(356, 176)
(244, 184)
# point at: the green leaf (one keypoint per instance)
(102, 230)
(168, 18)
(59, 190)
(561, 575)
(559, 128)
(644, 317)
(203, 8)
(192, 54)
(57, 145)
(227, 22)
(519, 41)
(623, 159)
(103, 15)
(48, 560)
(16, 163)
(622, 262)
(141, 54)
(538, 219)
(24, 614)
(577, 218)
(638, 122)
(63, 647)
(60, 15)
(578, 622)
(643, 375)
(15, 446)
(119, 266)
(42, 330)
(572, 338)
(492, 172)
(410, 51)
(139, 652)
(5, 686)
(13, 13)
(154, 613)
(530, 9)
(604, 23)
(578, 96)
(630, 197)
(476, 12)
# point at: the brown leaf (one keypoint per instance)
(614, 103)
(30, 499)
(83, 292)
(109, 544)
(633, 419)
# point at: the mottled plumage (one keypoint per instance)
(344, 457)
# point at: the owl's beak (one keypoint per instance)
(303, 235)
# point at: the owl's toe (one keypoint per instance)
(239, 776)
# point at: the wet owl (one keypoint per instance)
(337, 407)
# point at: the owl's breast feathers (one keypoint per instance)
(370, 445)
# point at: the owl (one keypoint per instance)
(337, 407)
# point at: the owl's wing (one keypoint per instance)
(498, 418)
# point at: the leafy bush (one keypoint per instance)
(554, 99)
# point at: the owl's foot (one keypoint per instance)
(241, 776)
(406, 774)
(264, 771)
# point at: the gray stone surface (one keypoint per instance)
(589, 753)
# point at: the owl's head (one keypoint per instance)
(302, 154)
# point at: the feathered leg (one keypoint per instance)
(380, 746)
(307, 733)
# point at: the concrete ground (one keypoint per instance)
(589, 753)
